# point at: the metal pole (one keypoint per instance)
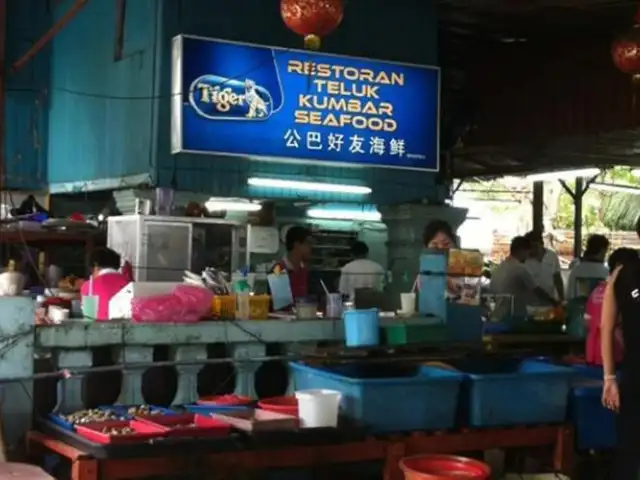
(121, 18)
(577, 216)
(3, 86)
(48, 36)
(538, 207)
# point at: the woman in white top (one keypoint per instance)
(590, 269)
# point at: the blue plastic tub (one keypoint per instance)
(595, 425)
(209, 409)
(362, 327)
(388, 397)
(500, 392)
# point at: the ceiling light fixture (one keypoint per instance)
(309, 186)
(231, 205)
(355, 215)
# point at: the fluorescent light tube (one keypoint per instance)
(217, 205)
(563, 175)
(309, 186)
(609, 187)
(326, 214)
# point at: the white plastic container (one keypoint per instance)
(407, 303)
(318, 408)
(243, 306)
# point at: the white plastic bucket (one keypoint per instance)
(318, 408)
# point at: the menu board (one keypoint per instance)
(465, 271)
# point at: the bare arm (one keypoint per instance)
(608, 325)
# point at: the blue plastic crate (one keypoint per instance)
(595, 425)
(500, 392)
(388, 398)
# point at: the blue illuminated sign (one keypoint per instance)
(290, 105)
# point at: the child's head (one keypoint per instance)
(105, 258)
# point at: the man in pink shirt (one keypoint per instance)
(105, 281)
(593, 311)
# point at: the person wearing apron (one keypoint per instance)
(622, 301)
(298, 242)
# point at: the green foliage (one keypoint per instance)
(603, 210)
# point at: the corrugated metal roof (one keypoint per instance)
(530, 85)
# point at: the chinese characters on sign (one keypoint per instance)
(354, 144)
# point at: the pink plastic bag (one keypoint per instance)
(167, 308)
(197, 300)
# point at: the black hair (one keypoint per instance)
(296, 234)
(105, 258)
(534, 236)
(359, 249)
(596, 244)
(622, 256)
(638, 226)
(519, 244)
(435, 227)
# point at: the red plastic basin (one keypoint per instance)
(443, 467)
(283, 405)
(224, 400)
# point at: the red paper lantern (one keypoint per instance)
(625, 51)
(312, 19)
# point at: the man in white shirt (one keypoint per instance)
(587, 272)
(544, 267)
(361, 272)
(514, 285)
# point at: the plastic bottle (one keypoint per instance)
(243, 292)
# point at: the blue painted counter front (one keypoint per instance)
(274, 103)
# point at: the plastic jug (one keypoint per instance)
(318, 408)
(361, 327)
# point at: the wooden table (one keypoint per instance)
(387, 449)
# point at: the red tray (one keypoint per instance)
(93, 432)
(224, 400)
(188, 424)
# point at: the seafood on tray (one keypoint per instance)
(115, 431)
(142, 411)
(82, 417)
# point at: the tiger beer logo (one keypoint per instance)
(220, 98)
